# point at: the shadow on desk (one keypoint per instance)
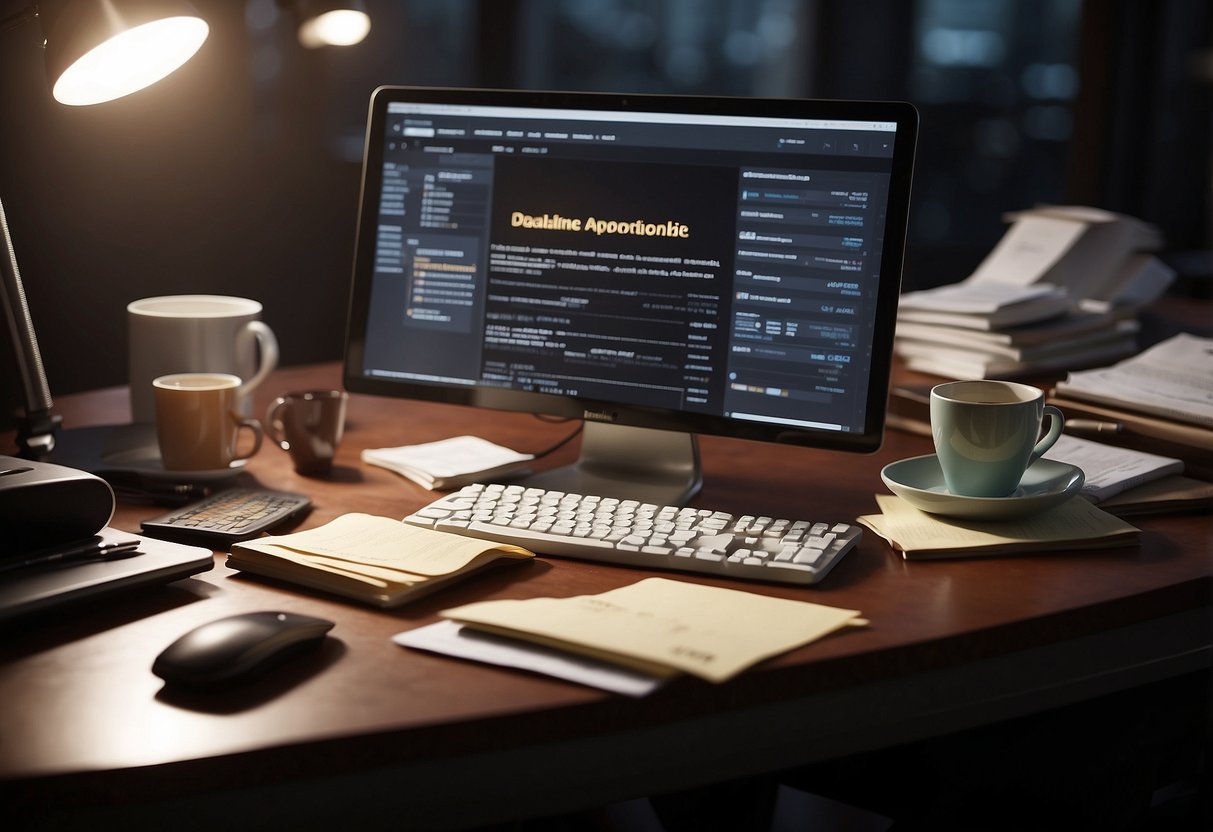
(43, 631)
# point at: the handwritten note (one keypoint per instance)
(662, 627)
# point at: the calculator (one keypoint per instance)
(229, 516)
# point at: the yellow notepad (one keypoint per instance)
(373, 559)
(662, 626)
(1075, 524)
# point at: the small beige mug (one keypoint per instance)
(198, 422)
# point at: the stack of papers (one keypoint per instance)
(1159, 401)
(1059, 291)
(651, 630)
(1173, 379)
(376, 560)
(983, 306)
(1108, 471)
(1126, 481)
(1075, 524)
(449, 463)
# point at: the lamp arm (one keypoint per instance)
(36, 429)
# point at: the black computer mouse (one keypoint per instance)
(237, 647)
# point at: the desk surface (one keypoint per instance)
(951, 644)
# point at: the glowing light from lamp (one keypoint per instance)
(341, 27)
(131, 60)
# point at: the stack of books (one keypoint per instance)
(1060, 291)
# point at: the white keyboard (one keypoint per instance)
(632, 533)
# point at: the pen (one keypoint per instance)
(94, 549)
(1092, 426)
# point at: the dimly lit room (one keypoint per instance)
(806, 259)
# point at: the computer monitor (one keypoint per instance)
(657, 266)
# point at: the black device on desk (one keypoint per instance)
(239, 646)
(55, 547)
(229, 516)
(44, 505)
(693, 265)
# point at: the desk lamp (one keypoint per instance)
(96, 51)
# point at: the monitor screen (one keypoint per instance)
(657, 266)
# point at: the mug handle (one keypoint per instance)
(268, 348)
(1056, 422)
(255, 427)
(274, 426)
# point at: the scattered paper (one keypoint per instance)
(373, 559)
(1108, 469)
(447, 462)
(1031, 246)
(1173, 379)
(453, 639)
(359, 539)
(975, 298)
(1074, 524)
(661, 626)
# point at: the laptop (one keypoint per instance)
(156, 562)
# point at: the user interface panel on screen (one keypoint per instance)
(721, 265)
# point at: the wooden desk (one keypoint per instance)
(364, 728)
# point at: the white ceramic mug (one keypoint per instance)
(197, 426)
(196, 333)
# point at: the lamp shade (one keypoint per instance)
(332, 22)
(99, 50)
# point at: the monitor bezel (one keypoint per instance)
(901, 174)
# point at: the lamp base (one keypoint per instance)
(36, 435)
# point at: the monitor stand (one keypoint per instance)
(652, 466)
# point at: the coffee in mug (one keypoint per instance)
(197, 423)
(196, 334)
(987, 433)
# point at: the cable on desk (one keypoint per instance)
(566, 440)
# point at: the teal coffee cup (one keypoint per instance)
(987, 433)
